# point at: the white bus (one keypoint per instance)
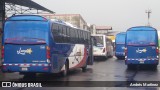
(103, 46)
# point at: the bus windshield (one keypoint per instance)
(141, 38)
(25, 29)
(120, 39)
(98, 41)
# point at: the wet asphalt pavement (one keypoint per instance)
(102, 70)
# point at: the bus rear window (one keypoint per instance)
(27, 29)
(141, 38)
(120, 39)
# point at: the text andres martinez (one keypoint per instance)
(144, 84)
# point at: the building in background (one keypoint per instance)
(93, 29)
(112, 33)
(75, 19)
(103, 29)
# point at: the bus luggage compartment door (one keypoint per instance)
(25, 53)
(143, 52)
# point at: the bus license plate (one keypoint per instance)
(24, 68)
(142, 61)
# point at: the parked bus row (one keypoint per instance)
(139, 46)
(33, 44)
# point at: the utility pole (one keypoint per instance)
(148, 13)
(2, 14)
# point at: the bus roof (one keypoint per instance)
(66, 24)
(26, 18)
(36, 18)
(121, 33)
(142, 28)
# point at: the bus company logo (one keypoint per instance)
(42, 47)
(79, 53)
(6, 84)
(141, 51)
(20, 84)
(24, 52)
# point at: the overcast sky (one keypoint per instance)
(120, 14)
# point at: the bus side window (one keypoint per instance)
(68, 34)
(86, 40)
(55, 32)
(85, 37)
(83, 32)
(64, 35)
(72, 36)
(77, 39)
(60, 34)
(76, 33)
(79, 36)
(88, 37)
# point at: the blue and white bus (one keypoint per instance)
(33, 44)
(141, 46)
(120, 45)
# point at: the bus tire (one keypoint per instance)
(154, 67)
(66, 68)
(84, 68)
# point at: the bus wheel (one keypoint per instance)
(66, 69)
(84, 68)
(154, 67)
